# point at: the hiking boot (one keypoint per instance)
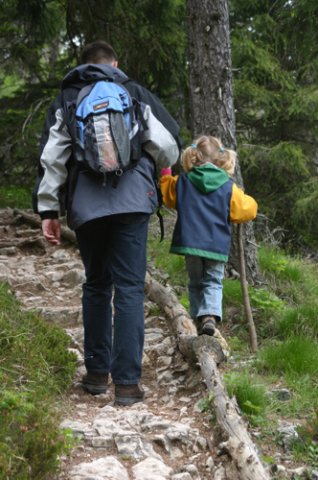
(207, 325)
(95, 383)
(128, 394)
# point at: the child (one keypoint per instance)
(206, 200)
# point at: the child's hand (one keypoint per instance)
(165, 171)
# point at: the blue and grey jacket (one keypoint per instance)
(87, 196)
(203, 227)
(207, 202)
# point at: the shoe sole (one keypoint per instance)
(207, 331)
(94, 389)
(126, 401)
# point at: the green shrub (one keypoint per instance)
(281, 177)
(275, 261)
(305, 212)
(15, 197)
(35, 367)
(172, 264)
(265, 300)
(232, 292)
(30, 440)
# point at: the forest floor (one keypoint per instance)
(168, 436)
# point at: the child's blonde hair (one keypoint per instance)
(207, 149)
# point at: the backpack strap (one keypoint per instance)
(160, 204)
(161, 224)
(139, 114)
(84, 92)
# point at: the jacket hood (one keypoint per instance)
(208, 178)
(87, 73)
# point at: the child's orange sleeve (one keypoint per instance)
(243, 208)
(168, 190)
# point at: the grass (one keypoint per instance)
(35, 369)
(251, 397)
(171, 265)
(296, 355)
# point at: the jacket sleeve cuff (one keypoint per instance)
(165, 171)
(49, 214)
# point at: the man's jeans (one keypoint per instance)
(205, 286)
(113, 250)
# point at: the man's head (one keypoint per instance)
(99, 52)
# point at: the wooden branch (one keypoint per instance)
(244, 285)
(209, 352)
(190, 347)
(35, 221)
(169, 303)
(238, 444)
(27, 242)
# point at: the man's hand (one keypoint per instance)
(51, 230)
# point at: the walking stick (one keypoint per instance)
(246, 298)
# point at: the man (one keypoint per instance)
(110, 224)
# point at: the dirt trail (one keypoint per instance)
(167, 436)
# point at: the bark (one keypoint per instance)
(211, 93)
(35, 241)
(238, 444)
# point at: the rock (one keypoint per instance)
(8, 251)
(151, 469)
(181, 476)
(194, 472)
(282, 394)
(73, 277)
(79, 429)
(107, 468)
(134, 446)
(210, 463)
(219, 473)
(106, 441)
(288, 432)
(65, 316)
(279, 470)
(300, 472)
(61, 256)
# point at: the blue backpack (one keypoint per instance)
(107, 127)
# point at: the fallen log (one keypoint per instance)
(209, 352)
(36, 240)
(35, 221)
(238, 444)
(169, 303)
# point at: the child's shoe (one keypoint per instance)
(207, 325)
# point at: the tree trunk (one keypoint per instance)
(211, 94)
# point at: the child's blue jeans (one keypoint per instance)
(205, 286)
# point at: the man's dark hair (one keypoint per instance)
(98, 52)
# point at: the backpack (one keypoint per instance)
(105, 125)
(108, 122)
